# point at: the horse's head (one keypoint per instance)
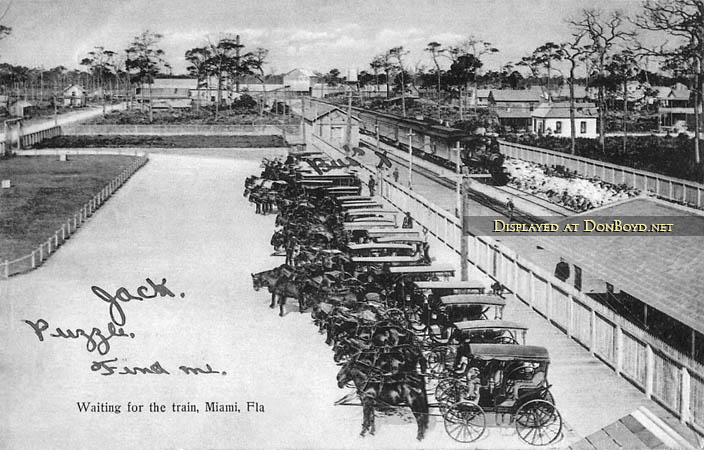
(257, 281)
(346, 374)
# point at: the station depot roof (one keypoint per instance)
(663, 270)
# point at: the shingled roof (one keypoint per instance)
(663, 271)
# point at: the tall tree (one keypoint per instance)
(198, 67)
(257, 60)
(221, 60)
(377, 64)
(684, 21)
(145, 60)
(574, 52)
(463, 71)
(602, 35)
(397, 54)
(544, 56)
(101, 63)
(435, 49)
(623, 68)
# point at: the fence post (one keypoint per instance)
(531, 284)
(7, 269)
(649, 370)
(63, 232)
(570, 316)
(34, 262)
(592, 331)
(618, 348)
(685, 391)
(41, 252)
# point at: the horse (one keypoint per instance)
(374, 388)
(289, 286)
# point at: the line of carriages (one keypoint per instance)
(397, 323)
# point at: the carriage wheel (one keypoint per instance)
(465, 421)
(449, 391)
(396, 315)
(538, 422)
(548, 397)
(414, 317)
(437, 360)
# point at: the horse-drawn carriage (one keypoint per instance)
(509, 381)
(442, 356)
(433, 317)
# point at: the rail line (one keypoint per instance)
(477, 197)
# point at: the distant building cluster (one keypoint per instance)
(541, 111)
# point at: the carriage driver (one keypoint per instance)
(464, 369)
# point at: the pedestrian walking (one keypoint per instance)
(407, 221)
(371, 185)
(510, 207)
(395, 174)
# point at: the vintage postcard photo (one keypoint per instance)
(319, 224)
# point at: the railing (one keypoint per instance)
(239, 130)
(668, 188)
(30, 134)
(664, 374)
(73, 223)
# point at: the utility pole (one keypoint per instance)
(410, 159)
(464, 210)
(458, 188)
(348, 128)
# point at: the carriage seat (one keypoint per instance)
(536, 382)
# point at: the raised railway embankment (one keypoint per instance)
(664, 187)
(669, 378)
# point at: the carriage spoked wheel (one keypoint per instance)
(396, 315)
(449, 391)
(465, 421)
(437, 360)
(538, 422)
(414, 317)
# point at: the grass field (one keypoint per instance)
(45, 193)
(99, 141)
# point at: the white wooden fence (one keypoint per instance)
(667, 376)
(668, 188)
(73, 223)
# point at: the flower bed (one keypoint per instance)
(564, 188)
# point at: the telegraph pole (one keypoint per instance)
(458, 189)
(464, 210)
(410, 159)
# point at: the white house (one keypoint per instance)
(299, 80)
(554, 119)
(74, 96)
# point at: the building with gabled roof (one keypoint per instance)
(554, 119)
(299, 80)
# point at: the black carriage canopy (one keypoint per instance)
(469, 284)
(476, 325)
(376, 245)
(400, 239)
(473, 299)
(509, 352)
(439, 268)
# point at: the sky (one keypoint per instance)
(313, 34)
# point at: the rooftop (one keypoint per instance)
(663, 271)
(562, 110)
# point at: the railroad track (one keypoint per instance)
(477, 197)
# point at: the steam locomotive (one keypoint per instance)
(481, 155)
